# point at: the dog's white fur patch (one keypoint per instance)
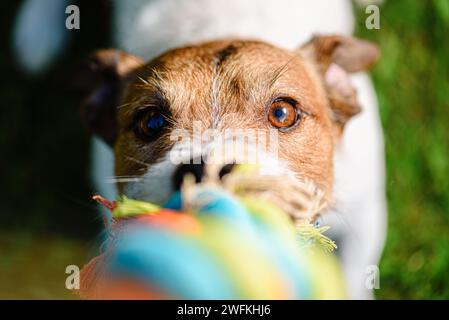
(148, 28)
(155, 185)
(359, 221)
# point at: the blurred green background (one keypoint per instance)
(412, 82)
(48, 222)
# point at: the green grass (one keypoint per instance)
(33, 267)
(412, 81)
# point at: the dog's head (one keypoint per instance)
(301, 99)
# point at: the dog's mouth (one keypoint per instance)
(266, 178)
(302, 200)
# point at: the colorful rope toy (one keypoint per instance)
(208, 243)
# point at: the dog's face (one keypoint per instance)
(304, 96)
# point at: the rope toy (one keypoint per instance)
(223, 239)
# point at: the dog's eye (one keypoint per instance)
(283, 114)
(149, 124)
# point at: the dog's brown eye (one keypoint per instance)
(149, 124)
(283, 114)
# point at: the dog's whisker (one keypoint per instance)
(144, 81)
(137, 161)
(124, 105)
(122, 180)
(279, 72)
(125, 176)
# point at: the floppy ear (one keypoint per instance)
(108, 71)
(336, 57)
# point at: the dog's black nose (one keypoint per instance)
(226, 169)
(196, 168)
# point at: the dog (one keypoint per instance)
(342, 157)
(306, 95)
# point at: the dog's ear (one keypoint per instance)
(336, 57)
(106, 73)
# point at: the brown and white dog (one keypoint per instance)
(303, 93)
